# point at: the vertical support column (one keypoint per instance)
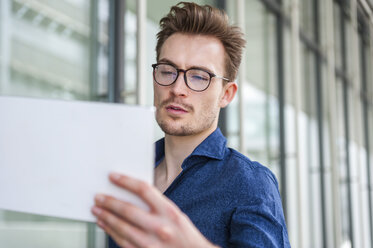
(242, 78)
(367, 96)
(348, 159)
(356, 129)
(5, 25)
(297, 92)
(345, 89)
(93, 80)
(368, 133)
(281, 107)
(5, 45)
(141, 52)
(365, 93)
(320, 123)
(93, 49)
(116, 50)
(222, 124)
(332, 122)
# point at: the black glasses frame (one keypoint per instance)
(185, 77)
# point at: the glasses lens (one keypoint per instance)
(197, 79)
(165, 74)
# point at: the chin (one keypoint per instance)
(177, 130)
(180, 127)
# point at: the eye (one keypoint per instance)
(167, 72)
(199, 78)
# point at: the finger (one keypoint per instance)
(136, 216)
(120, 230)
(117, 238)
(129, 212)
(149, 194)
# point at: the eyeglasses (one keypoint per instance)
(196, 79)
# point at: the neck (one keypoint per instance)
(178, 148)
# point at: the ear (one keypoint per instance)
(228, 93)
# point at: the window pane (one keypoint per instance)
(307, 17)
(260, 87)
(309, 128)
(52, 49)
(130, 48)
(342, 163)
(337, 35)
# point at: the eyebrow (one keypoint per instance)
(167, 61)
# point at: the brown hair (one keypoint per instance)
(190, 18)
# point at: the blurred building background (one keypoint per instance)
(304, 106)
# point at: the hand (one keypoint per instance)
(164, 225)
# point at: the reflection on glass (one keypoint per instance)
(48, 48)
(327, 154)
(309, 145)
(307, 17)
(48, 51)
(260, 100)
(371, 144)
(341, 160)
(130, 48)
(337, 35)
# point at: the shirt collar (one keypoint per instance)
(212, 147)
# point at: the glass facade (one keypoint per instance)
(306, 108)
(52, 49)
(261, 126)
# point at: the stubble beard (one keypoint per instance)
(177, 127)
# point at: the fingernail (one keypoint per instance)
(115, 176)
(96, 210)
(100, 198)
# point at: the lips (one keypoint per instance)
(176, 109)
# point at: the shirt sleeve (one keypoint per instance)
(258, 220)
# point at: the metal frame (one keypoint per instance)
(281, 21)
(141, 52)
(5, 44)
(94, 46)
(320, 119)
(346, 84)
(221, 4)
(281, 99)
(332, 124)
(116, 55)
(116, 50)
(341, 73)
(240, 5)
(297, 92)
(93, 80)
(315, 47)
(364, 33)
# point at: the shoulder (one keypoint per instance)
(256, 203)
(246, 168)
(249, 178)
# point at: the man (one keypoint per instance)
(212, 195)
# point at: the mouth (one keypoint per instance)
(175, 109)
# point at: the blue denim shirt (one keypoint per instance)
(233, 201)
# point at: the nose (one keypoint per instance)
(179, 88)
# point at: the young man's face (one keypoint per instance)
(180, 110)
